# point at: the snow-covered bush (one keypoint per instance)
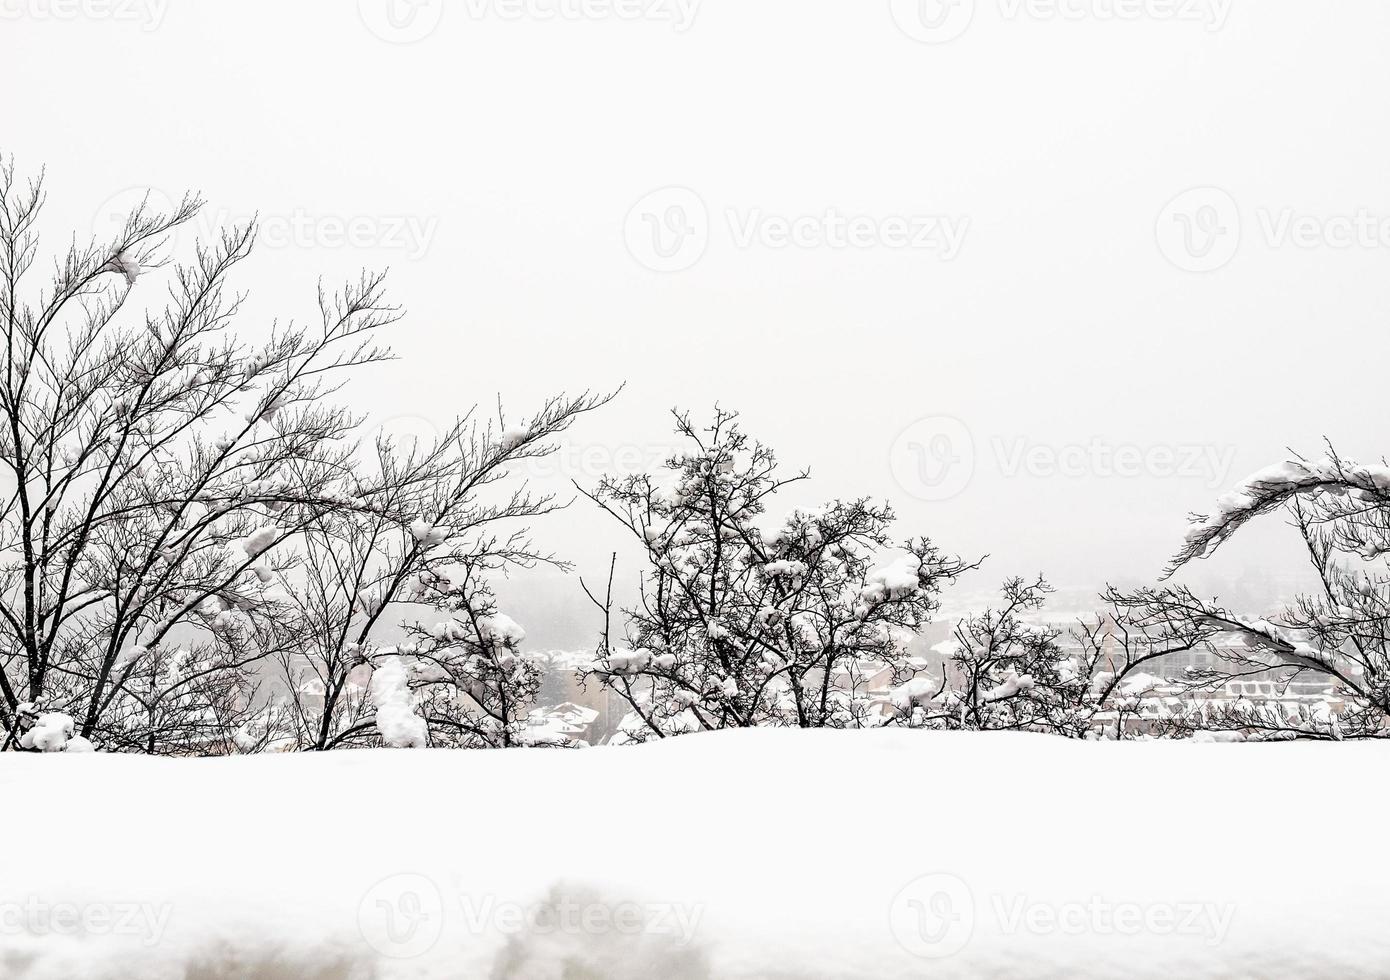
(182, 508)
(1002, 673)
(413, 564)
(1009, 668)
(740, 623)
(479, 684)
(156, 466)
(1337, 634)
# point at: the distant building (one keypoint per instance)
(567, 725)
(560, 685)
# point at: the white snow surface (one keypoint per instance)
(756, 854)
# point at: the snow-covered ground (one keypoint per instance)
(767, 854)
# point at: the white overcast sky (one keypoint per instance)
(503, 165)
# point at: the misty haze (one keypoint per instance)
(672, 488)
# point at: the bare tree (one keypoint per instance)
(437, 526)
(739, 625)
(1009, 669)
(183, 506)
(1337, 633)
(1003, 673)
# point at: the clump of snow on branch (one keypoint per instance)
(396, 719)
(428, 534)
(54, 731)
(500, 628)
(125, 264)
(513, 437)
(1274, 486)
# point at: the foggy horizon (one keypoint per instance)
(1017, 223)
(510, 654)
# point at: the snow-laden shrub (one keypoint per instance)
(743, 622)
(1336, 634)
(191, 488)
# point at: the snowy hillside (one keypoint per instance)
(745, 854)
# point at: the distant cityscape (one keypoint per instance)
(570, 712)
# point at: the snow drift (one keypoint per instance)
(750, 854)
